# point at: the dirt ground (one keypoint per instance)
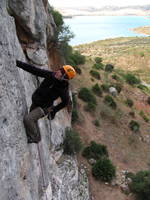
(126, 150)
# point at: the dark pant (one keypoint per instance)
(31, 123)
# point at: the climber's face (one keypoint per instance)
(58, 74)
(61, 76)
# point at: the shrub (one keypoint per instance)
(98, 66)
(118, 87)
(95, 74)
(98, 60)
(129, 102)
(106, 113)
(57, 18)
(105, 87)
(78, 70)
(132, 79)
(115, 77)
(142, 87)
(96, 123)
(72, 142)
(109, 68)
(104, 170)
(86, 95)
(77, 58)
(110, 102)
(97, 90)
(148, 100)
(142, 54)
(95, 151)
(134, 126)
(90, 107)
(143, 115)
(132, 114)
(75, 116)
(141, 185)
(71, 62)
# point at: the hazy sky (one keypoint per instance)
(96, 3)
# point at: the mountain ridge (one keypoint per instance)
(105, 10)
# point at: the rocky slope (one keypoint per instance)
(30, 171)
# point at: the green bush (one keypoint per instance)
(148, 100)
(143, 115)
(118, 87)
(90, 107)
(132, 79)
(141, 185)
(95, 74)
(109, 68)
(58, 19)
(70, 61)
(104, 170)
(142, 87)
(77, 58)
(98, 66)
(115, 77)
(134, 126)
(75, 116)
(129, 102)
(105, 87)
(98, 60)
(86, 95)
(96, 123)
(95, 151)
(97, 90)
(132, 114)
(72, 142)
(142, 54)
(78, 70)
(110, 101)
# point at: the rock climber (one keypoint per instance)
(54, 85)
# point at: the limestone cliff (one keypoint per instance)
(26, 30)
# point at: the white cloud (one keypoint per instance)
(95, 3)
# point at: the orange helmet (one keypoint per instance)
(70, 71)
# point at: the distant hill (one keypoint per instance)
(106, 10)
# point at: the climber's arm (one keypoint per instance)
(34, 70)
(64, 103)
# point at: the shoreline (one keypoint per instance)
(142, 30)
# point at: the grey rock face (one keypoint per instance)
(30, 171)
(31, 17)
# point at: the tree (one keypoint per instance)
(62, 34)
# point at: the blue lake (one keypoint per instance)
(91, 28)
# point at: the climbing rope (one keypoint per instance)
(42, 171)
(39, 154)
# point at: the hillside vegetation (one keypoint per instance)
(127, 53)
(119, 120)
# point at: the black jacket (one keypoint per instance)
(50, 88)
